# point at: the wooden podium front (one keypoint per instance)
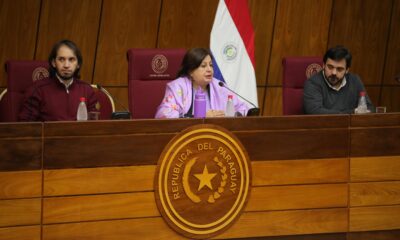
(313, 177)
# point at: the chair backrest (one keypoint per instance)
(20, 75)
(106, 102)
(296, 70)
(149, 70)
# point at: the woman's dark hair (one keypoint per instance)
(192, 60)
(53, 55)
(338, 53)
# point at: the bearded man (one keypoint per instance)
(334, 90)
(57, 98)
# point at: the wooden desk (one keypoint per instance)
(314, 177)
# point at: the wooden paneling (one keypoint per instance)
(20, 212)
(362, 26)
(181, 25)
(288, 223)
(120, 96)
(137, 205)
(144, 228)
(249, 224)
(263, 17)
(20, 233)
(375, 169)
(20, 146)
(383, 141)
(260, 96)
(98, 180)
(300, 172)
(273, 102)
(374, 193)
(321, 143)
(390, 98)
(138, 149)
(18, 29)
(70, 19)
(301, 29)
(99, 207)
(392, 63)
(374, 218)
(20, 184)
(124, 24)
(375, 235)
(297, 197)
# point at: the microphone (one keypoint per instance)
(252, 111)
(116, 115)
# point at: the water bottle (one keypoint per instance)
(200, 104)
(230, 109)
(82, 114)
(362, 104)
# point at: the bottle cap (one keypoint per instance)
(230, 96)
(82, 99)
(362, 93)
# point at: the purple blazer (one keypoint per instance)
(178, 98)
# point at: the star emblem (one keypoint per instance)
(205, 178)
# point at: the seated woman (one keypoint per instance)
(196, 73)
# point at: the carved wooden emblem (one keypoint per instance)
(203, 181)
(312, 69)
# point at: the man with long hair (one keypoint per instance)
(57, 98)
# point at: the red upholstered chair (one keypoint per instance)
(296, 70)
(149, 70)
(20, 75)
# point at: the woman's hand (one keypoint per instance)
(215, 113)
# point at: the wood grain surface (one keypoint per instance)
(20, 184)
(20, 212)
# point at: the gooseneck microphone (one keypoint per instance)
(252, 111)
(125, 114)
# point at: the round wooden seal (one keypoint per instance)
(202, 181)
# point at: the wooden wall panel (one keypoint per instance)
(20, 184)
(300, 172)
(248, 225)
(20, 146)
(297, 197)
(374, 193)
(98, 180)
(120, 96)
(301, 29)
(375, 235)
(263, 17)
(124, 24)
(20, 233)
(374, 218)
(273, 101)
(99, 207)
(383, 141)
(375, 169)
(392, 61)
(143, 228)
(391, 98)
(186, 24)
(276, 223)
(18, 28)
(363, 27)
(20, 212)
(76, 20)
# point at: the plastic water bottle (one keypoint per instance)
(200, 104)
(82, 114)
(362, 104)
(230, 109)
